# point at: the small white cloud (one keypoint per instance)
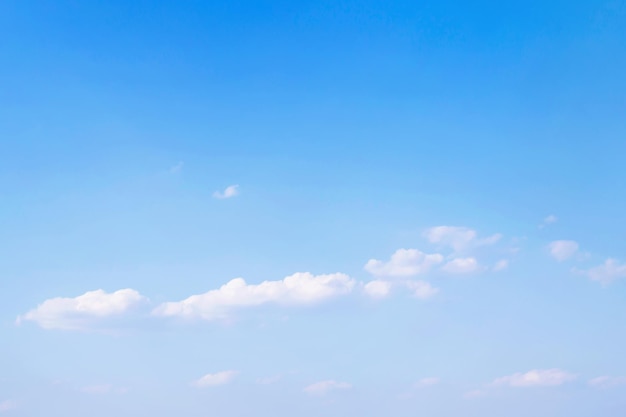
(535, 378)
(548, 221)
(603, 382)
(501, 265)
(606, 273)
(458, 238)
(302, 288)
(377, 288)
(213, 380)
(404, 263)
(175, 169)
(426, 382)
(229, 192)
(322, 387)
(422, 289)
(79, 312)
(7, 405)
(461, 266)
(562, 250)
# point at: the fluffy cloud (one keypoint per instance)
(607, 381)
(404, 263)
(213, 380)
(322, 387)
(377, 288)
(535, 378)
(606, 273)
(422, 289)
(229, 192)
(79, 312)
(461, 266)
(301, 288)
(562, 250)
(458, 238)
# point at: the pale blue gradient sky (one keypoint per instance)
(351, 129)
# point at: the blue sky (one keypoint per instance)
(312, 208)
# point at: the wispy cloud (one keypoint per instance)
(213, 380)
(535, 378)
(175, 169)
(323, 387)
(604, 382)
(228, 192)
(404, 263)
(459, 238)
(501, 265)
(7, 405)
(609, 271)
(426, 382)
(548, 221)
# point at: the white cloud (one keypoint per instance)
(229, 192)
(422, 289)
(562, 250)
(606, 273)
(377, 288)
(607, 381)
(302, 288)
(458, 238)
(426, 382)
(501, 265)
(461, 266)
(548, 221)
(175, 169)
(322, 387)
(79, 312)
(404, 263)
(7, 405)
(212, 380)
(535, 378)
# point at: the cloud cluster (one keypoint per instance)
(302, 288)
